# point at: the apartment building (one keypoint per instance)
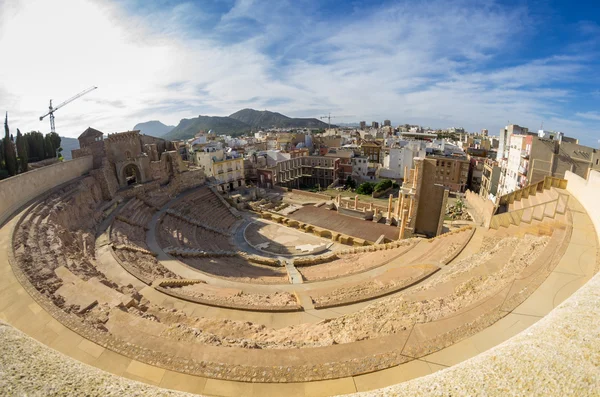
(308, 171)
(490, 179)
(371, 150)
(399, 158)
(530, 158)
(452, 172)
(224, 170)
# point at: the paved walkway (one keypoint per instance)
(575, 268)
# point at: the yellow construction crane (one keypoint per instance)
(51, 110)
(329, 117)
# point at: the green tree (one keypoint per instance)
(383, 185)
(350, 183)
(35, 146)
(10, 157)
(55, 138)
(2, 165)
(49, 149)
(365, 188)
(22, 151)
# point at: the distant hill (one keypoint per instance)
(68, 144)
(154, 128)
(187, 128)
(239, 123)
(266, 119)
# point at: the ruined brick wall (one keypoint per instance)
(158, 171)
(107, 180)
(429, 201)
(161, 144)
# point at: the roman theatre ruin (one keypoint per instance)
(124, 271)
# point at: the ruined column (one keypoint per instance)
(403, 223)
(397, 208)
(416, 175)
(390, 205)
(370, 206)
(356, 201)
(406, 176)
(401, 204)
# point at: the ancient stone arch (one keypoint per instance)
(130, 174)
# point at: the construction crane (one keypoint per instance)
(51, 109)
(329, 117)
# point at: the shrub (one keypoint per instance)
(383, 185)
(366, 188)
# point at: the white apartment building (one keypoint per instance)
(399, 158)
(360, 168)
(227, 169)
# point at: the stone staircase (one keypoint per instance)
(536, 202)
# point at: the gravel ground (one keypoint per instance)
(28, 368)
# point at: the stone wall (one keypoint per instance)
(480, 208)
(431, 205)
(20, 189)
(587, 192)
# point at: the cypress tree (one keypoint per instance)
(55, 139)
(10, 157)
(22, 151)
(2, 165)
(49, 147)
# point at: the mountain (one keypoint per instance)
(187, 128)
(265, 119)
(239, 123)
(154, 128)
(68, 144)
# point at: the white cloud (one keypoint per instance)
(589, 115)
(431, 63)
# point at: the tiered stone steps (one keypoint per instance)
(533, 206)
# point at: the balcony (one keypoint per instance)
(522, 170)
(524, 154)
(219, 171)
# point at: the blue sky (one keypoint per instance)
(476, 64)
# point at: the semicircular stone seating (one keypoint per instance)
(200, 306)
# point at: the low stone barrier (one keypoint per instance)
(197, 253)
(261, 260)
(229, 305)
(315, 260)
(134, 249)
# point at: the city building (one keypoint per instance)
(476, 165)
(374, 125)
(224, 170)
(452, 172)
(396, 161)
(490, 179)
(387, 123)
(504, 137)
(308, 171)
(532, 157)
(371, 150)
(360, 168)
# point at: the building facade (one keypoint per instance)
(308, 171)
(452, 173)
